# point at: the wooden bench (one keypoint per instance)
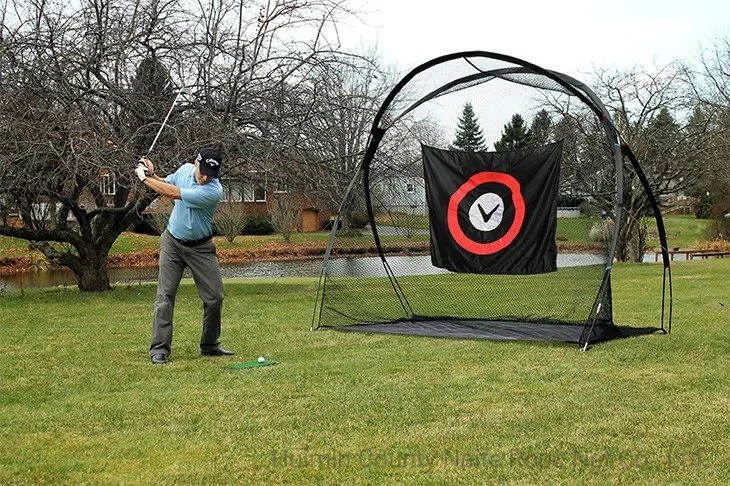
(690, 253)
(671, 253)
(707, 254)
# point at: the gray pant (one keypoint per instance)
(203, 264)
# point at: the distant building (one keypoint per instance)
(401, 194)
(256, 196)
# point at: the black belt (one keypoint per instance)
(192, 242)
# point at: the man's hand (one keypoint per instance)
(145, 172)
(147, 163)
(141, 171)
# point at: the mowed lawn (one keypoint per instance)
(80, 402)
(682, 231)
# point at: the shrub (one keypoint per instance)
(359, 219)
(160, 214)
(284, 212)
(718, 229)
(258, 225)
(601, 231)
(230, 220)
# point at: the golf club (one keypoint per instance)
(164, 122)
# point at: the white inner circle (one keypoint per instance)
(487, 211)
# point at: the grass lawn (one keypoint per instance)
(573, 230)
(682, 231)
(131, 242)
(80, 402)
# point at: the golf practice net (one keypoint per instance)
(478, 243)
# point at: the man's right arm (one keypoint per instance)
(157, 183)
(156, 178)
(161, 187)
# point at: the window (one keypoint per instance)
(108, 184)
(281, 187)
(254, 192)
(232, 191)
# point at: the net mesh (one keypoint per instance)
(362, 286)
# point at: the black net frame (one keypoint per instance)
(594, 324)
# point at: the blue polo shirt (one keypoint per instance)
(192, 215)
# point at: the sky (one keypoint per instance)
(575, 37)
(570, 36)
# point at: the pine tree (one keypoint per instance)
(469, 135)
(153, 95)
(540, 129)
(515, 135)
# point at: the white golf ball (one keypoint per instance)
(261, 359)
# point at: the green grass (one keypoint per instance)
(475, 296)
(574, 230)
(682, 231)
(13, 247)
(80, 402)
(131, 242)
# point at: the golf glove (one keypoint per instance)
(141, 171)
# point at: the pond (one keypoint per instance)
(356, 266)
(63, 277)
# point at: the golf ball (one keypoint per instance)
(261, 359)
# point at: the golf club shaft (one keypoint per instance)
(164, 122)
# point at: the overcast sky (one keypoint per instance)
(570, 36)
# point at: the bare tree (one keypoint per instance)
(68, 104)
(284, 211)
(320, 126)
(708, 79)
(650, 110)
(230, 220)
(84, 87)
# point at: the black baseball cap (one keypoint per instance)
(210, 161)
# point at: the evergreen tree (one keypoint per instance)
(515, 135)
(663, 139)
(540, 129)
(704, 150)
(469, 135)
(153, 93)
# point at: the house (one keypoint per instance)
(258, 196)
(401, 194)
(252, 192)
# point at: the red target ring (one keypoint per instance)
(452, 214)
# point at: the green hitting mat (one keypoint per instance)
(251, 364)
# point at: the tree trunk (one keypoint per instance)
(92, 275)
(88, 262)
(631, 243)
(622, 245)
(639, 243)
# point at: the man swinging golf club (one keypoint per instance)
(187, 242)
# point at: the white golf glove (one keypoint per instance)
(141, 171)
